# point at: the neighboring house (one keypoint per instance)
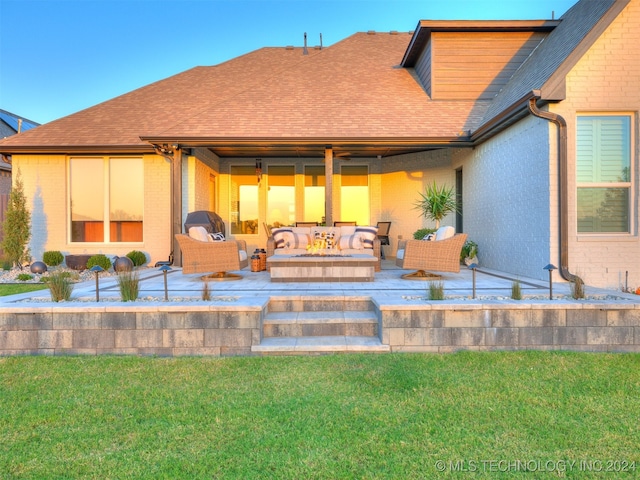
(10, 124)
(534, 122)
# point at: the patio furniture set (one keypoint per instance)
(315, 253)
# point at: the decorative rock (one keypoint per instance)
(38, 267)
(77, 262)
(122, 264)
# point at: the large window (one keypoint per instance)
(354, 193)
(244, 200)
(604, 173)
(281, 195)
(107, 199)
(314, 201)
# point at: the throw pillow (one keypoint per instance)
(367, 235)
(200, 234)
(217, 237)
(350, 241)
(445, 232)
(281, 236)
(300, 240)
(326, 238)
(429, 237)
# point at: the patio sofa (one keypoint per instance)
(440, 253)
(345, 240)
(210, 253)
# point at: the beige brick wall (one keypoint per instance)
(606, 80)
(45, 185)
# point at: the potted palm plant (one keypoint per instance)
(437, 202)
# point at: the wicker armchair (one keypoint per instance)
(217, 258)
(439, 255)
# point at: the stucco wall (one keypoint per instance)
(606, 79)
(45, 186)
(506, 199)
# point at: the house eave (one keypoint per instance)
(75, 149)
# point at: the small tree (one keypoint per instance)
(17, 225)
(437, 202)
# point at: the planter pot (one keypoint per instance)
(77, 262)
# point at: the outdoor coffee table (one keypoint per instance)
(322, 268)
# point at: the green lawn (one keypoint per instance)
(15, 288)
(399, 416)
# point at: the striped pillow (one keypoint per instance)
(351, 241)
(367, 235)
(282, 236)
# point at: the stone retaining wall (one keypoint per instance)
(224, 331)
(580, 326)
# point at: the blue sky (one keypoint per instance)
(60, 57)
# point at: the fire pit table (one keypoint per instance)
(322, 268)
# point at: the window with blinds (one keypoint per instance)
(603, 162)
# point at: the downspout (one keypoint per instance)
(562, 183)
(173, 154)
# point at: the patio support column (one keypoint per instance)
(176, 203)
(328, 185)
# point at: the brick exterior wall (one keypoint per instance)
(605, 80)
(507, 199)
(45, 180)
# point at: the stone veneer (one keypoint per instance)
(172, 330)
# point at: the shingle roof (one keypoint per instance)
(353, 89)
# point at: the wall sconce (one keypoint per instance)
(259, 169)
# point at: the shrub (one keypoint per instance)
(52, 258)
(469, 250)
(17, 225)
(577, 288)
(129, 285)
(60, 286)
(422, 232)
(516, 290)
(99, 259)
(138, 258)
(23, 277)
(436, 291)
(206, 293)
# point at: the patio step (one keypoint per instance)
(320, 325)
(311, 345)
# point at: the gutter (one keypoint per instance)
(560, 122)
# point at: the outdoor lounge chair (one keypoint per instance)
(436, 255)
(215, 258)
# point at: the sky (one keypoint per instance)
(58, 57)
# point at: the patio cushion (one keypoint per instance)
(445, 232)
(199, 233)
(367, 235)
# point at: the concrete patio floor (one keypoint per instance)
(388, 283)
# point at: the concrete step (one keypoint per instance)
(317, 345)
(320, 324)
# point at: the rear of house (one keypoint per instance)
(534, 122)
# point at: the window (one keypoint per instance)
(107, 199)
(281, 195)
(354, 193)
(604, 173)
(244, 200)
(314, 181)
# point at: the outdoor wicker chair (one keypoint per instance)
(216, 258)
(437, 255)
